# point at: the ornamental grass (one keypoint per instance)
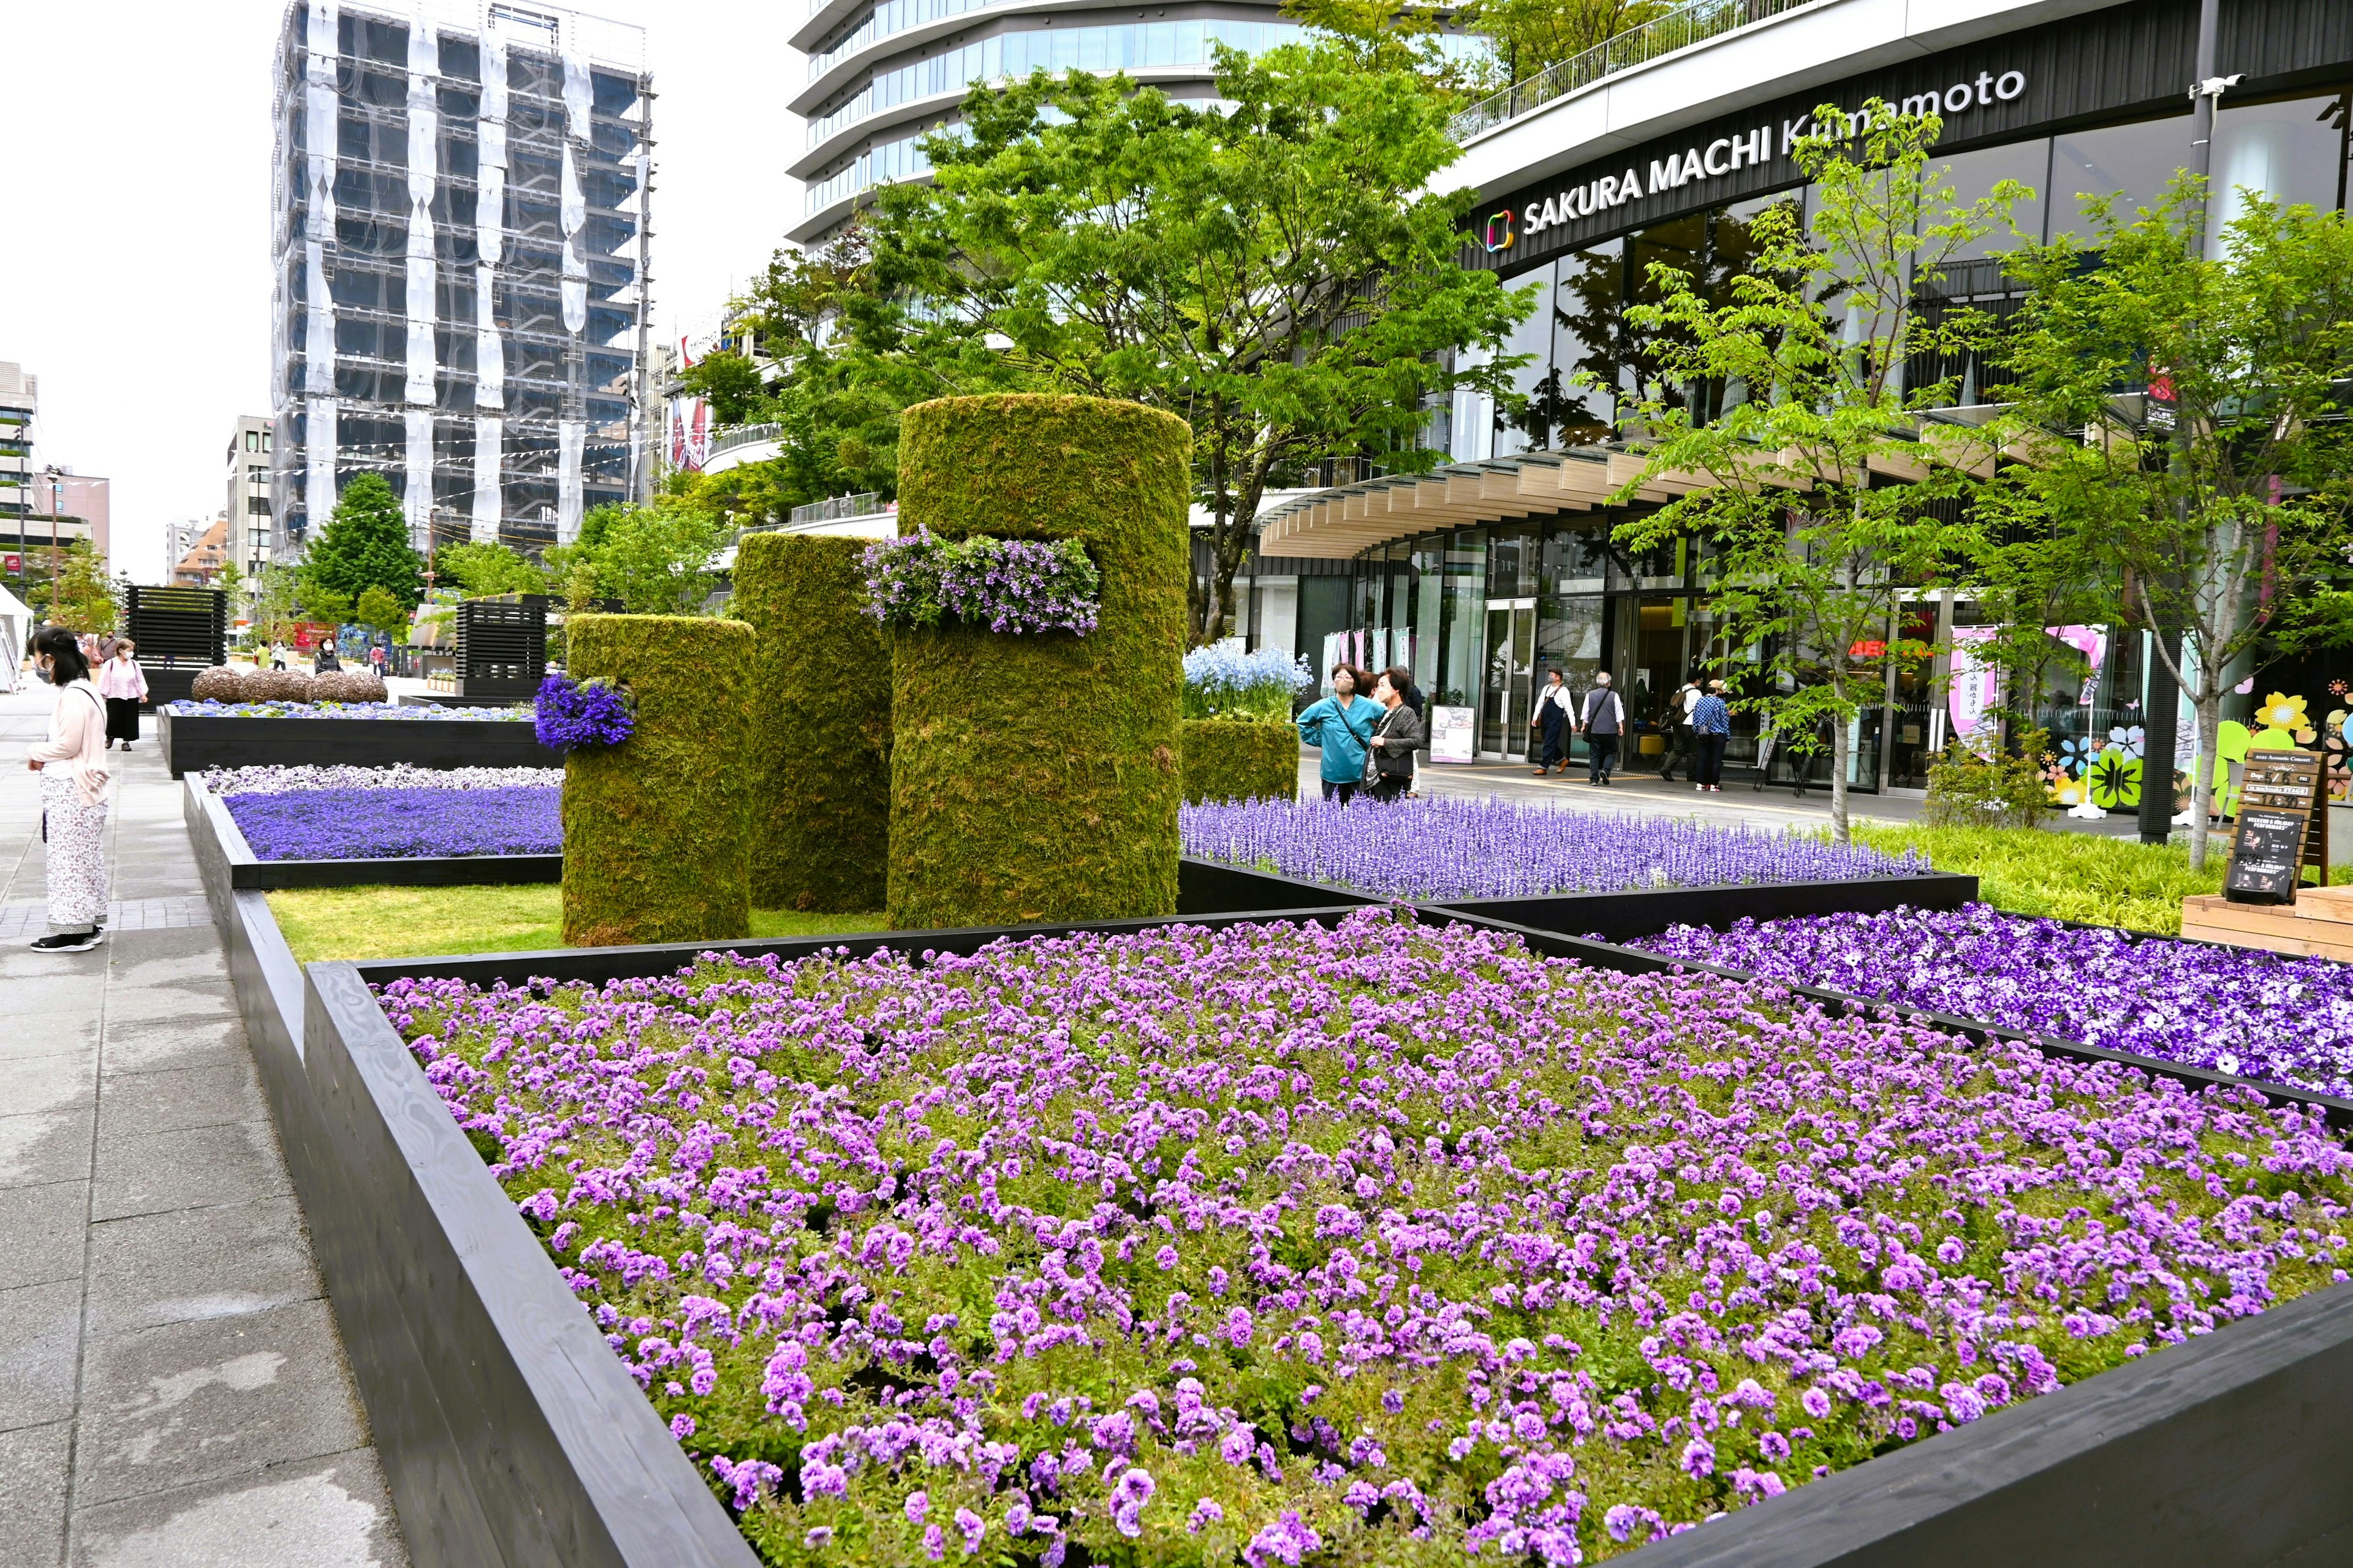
(1439, 847)
(2086, 877)
(2255, 1015)
(1378, 1243)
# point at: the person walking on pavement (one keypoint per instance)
(326, 659)
(375, 658)
(1678, 730)
(1340, 724)
(124, 686)
(1554, 720)
(72, 765)
(1604, 720)
(1710, 730)
(1396, 734)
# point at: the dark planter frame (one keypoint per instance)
(195, 742)
(216, 834)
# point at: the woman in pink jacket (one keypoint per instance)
(124, 686)
(72, 765)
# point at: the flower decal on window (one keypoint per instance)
(2127, 741)
(2281, 711)
(2115, 780)
(2075, 754)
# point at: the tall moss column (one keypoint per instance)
(820, 753)
(654, 827)
(1038, 778)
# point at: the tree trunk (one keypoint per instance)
(2208, 704)
(1841, 748)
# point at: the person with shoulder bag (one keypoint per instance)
(1338, 726)
(1397, 733)
(1712, 730)
(1603, 721)
(72, 765)
(124, 686)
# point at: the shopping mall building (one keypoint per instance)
(1499, 566)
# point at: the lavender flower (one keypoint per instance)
(1544, 1258)
(400, 823)
(575, 715)
(1018, 586)
(1443, 849)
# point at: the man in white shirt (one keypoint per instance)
(1679, 730)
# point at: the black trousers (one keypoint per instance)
(1343, 793)
(1711, 760)
(1603, 752)
(1556, 741)
(1391, 786)
(1679, 749)
(121, 720)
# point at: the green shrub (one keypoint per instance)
(654, 828)
(1036, 778)
(1240, 759)
(1966, 790)
(2072, 876)
(820, 756)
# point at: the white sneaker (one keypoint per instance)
(68, 941)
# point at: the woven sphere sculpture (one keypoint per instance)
(218, 684)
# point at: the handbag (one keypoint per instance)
(1372, 756)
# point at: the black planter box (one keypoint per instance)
(195, 741)
(218, 841)
(511, 1434)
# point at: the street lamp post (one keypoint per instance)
(57, 505)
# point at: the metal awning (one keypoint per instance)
(1346, 520)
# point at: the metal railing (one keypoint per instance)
(837, 508)
(736, 436)
(1691, 23)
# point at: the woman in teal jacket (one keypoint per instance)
(1340, 724)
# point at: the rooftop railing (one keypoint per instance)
(1694, 22)
(837, 508)
(736, 436)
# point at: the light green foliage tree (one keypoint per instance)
(365, 545)
(1275, 272)
(479, 569)
(1529, 36)
(1814, 551)
(657, 560)
(729, 382)
(2218, 499)
(379, 609)
(80, 598)
(274, 595)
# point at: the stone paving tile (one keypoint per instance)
(55, 1082)
(39, 1327)
(33, 1493)
(52, 1146)
(198, 1401)
(30, 1033)
(328, 1512)
(155, 1172)
(171, 1045)
(195, 1264)
(174, 1100)
(46, 1226)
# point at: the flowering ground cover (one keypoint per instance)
(1446, 848)
(400, 823)
(417, 711)
(2259, 1014)
(1377, 1245)
(305, 776)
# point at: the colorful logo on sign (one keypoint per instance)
(1499, 232)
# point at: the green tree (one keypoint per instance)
(274, 591)
(730, 383)
(1272, 269)
(657, 560)
(364, 544)
(2213, 488)
(1813, 549)
(380, 610)
(1529, 36)
(483, 568)
(80, 598)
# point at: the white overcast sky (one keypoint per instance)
(134, 218)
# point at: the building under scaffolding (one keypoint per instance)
(459, 239)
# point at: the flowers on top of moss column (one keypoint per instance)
(571, 714)
(1016, 586)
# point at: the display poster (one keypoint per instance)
(1451, 733)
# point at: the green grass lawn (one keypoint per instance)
(2073, 876)
(425, 922)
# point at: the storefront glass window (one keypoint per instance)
(2290, 151)
(1463, 612)
(2134, 162)
(1973, 177)
(1678, 243)
(1586, 321)
(1512, 561)
(1430, 579)
(1531, 428)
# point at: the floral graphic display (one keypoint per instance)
(574, 715)
(1021, 587)
(1381, 1243)
(1446, 848)
(400, 823)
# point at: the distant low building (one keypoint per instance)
(201, 566)
(81, 504)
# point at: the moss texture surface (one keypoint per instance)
(820, 752)
(1037, 778)
(654, 828)
(1232, 759)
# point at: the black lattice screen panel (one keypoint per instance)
(501, 647)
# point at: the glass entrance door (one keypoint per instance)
(1505, 695)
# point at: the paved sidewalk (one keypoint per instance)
(172, 1387)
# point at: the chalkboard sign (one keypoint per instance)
(2279, 798)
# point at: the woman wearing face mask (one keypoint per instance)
(124, 686)
(1340, 724)
(72, 765)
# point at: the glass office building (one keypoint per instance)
(1501, 566)
(459, 236)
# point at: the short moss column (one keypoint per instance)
(820, 752)
(654, 827)
(1240, 759)
(1038, 778)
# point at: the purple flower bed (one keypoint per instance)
(1379, 1244)
(1442, 848)
(400, 823)
(2258, 1014)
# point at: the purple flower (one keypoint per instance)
(1286, 1541)
(574, 715)
(400, 823)
(1012, 586)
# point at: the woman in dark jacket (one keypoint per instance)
(1397, 733)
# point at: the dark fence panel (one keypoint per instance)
(195, 742)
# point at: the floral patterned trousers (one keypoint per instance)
(76, 834)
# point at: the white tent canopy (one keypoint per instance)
(15, 626)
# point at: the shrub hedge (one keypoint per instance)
(654, 828)
(820, 756)
(1240, 759)
(1037, 778)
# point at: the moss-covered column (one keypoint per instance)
(1037, 778)
(654, 827)
(820, 825)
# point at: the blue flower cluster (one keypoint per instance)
(185, 708)
(571, 714)
(1223, 682)
(1020, 587)
(400, 823)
